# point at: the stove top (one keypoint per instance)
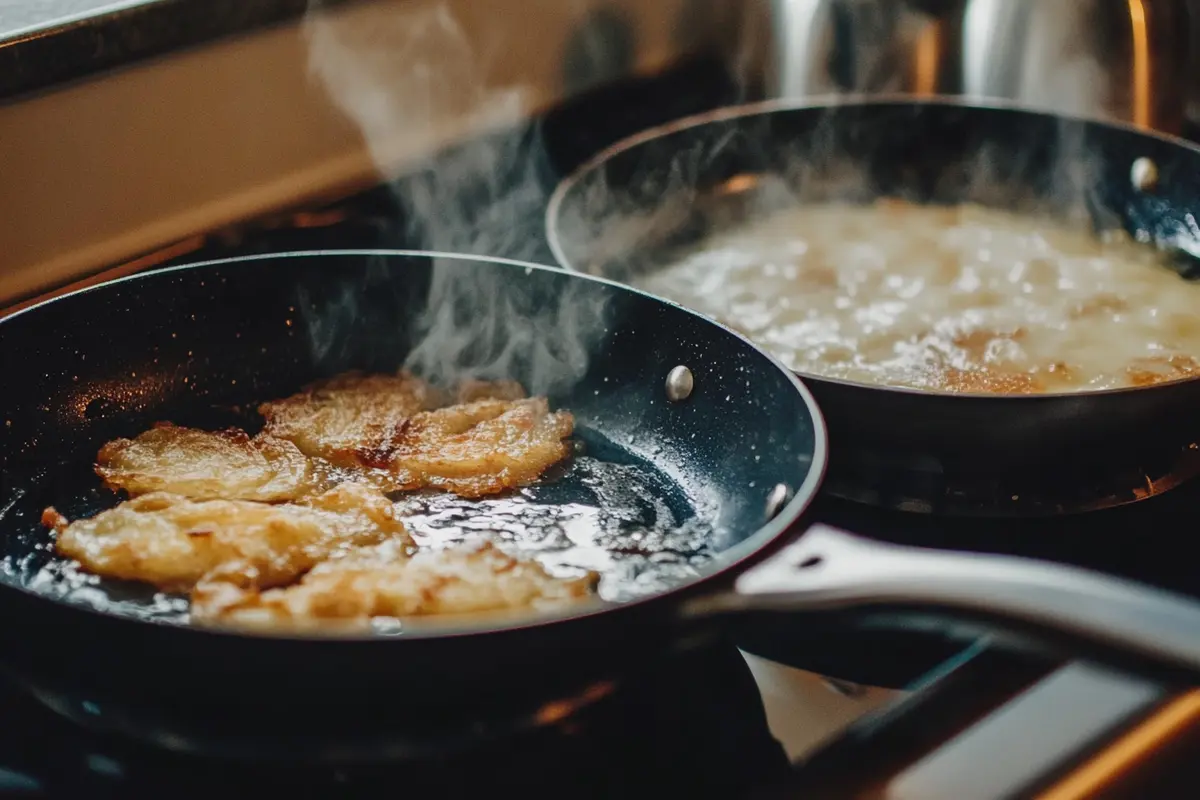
(695, 725)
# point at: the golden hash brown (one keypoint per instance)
(360, 420)
(173, 542)
(385, 581)
(249, 526)
(480, 448)
(205, 465)
(348, 418)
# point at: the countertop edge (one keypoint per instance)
(38, 58)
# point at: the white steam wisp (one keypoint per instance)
(416, 76)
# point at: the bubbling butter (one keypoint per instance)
(959, 299)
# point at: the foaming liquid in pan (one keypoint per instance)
(621, 518)
(952, 298)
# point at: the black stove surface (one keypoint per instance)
(695, 726)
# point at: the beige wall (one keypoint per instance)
(116, 166)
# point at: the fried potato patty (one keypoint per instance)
(348, 418)
(205, 465)
(249, 526)
(492, 440)
(173, 542)
(385, 581)
(480, 448)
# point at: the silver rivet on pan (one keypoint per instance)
(1143, 174)
(680, 384)
(777, 499)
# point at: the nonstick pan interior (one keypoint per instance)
(674, 492)
(631, 207)
(661, 487)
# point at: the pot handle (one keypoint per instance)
(1121, 621)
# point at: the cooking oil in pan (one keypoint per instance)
(624, 520)
(610, 518)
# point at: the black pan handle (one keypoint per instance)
(1124, 622)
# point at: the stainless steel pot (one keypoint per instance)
(1126, 60)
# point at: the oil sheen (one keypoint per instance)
(958, 299)
(623, 520)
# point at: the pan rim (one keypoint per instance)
(728, 563)
(765, 107)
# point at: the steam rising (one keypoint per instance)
(669, 195)
(718, 175)
(413, 77)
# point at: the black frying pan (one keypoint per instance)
(738, 458)
(627, 208)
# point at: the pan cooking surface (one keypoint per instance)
(658, 490)
(606, 510)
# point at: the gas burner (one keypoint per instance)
(340, 729)
(618, 739)
(387, 733)
(927, 487)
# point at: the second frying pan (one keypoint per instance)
(734, 456)
(628, 208)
